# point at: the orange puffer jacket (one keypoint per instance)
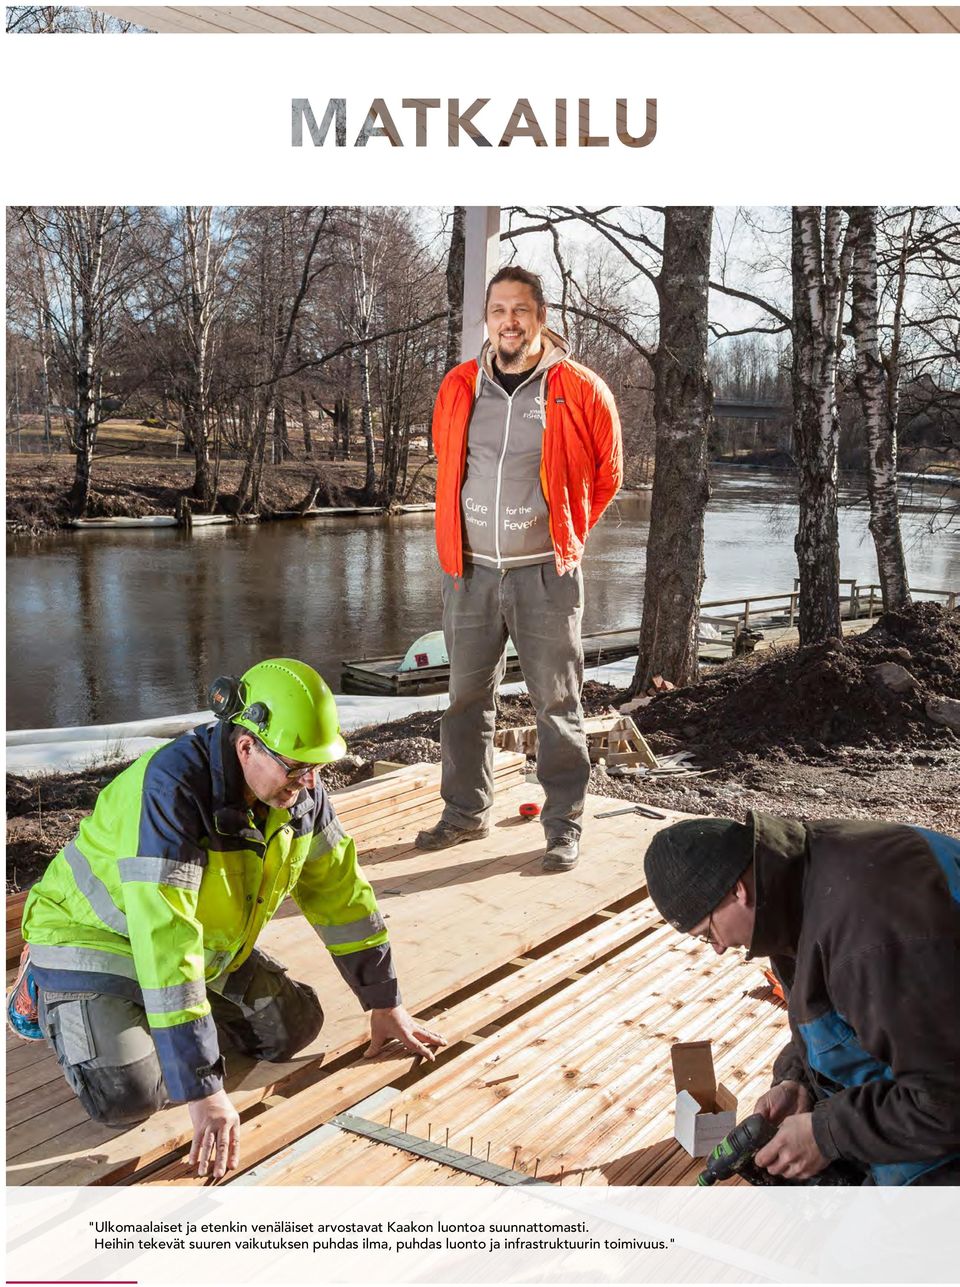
(581, 466)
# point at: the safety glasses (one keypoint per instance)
(292, 772)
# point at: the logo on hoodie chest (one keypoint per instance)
(535, 413)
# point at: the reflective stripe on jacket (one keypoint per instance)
(169, 883)
(862, 923)
(582, 457)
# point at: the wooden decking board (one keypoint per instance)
(656, 1122)
(270, 1133)
(470, 1107)
(27, 1079)
(556, 1109)
(457, 916)
(422, 1112)
(38, 1101)
(380, 797)
(439, 1093)
(626, 1168)
(454, 1088)
(42, 1130)
(642, 1059)
(24, 1054)
(611, 1120)
(682, 1169)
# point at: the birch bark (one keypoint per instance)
(820, 266)
(879, 394)
(91, 263)
(204, 257)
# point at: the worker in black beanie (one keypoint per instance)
(861, 921)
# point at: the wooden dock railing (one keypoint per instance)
(856, 601)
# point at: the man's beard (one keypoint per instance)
(516, 360)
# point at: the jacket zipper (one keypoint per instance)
(503, 452)
(496, 501)
(259, 901)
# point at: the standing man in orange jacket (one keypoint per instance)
(529, 456)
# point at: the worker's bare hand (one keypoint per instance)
(784, 1100)
(793, 1151)
(397, 1025)
(216, 1135)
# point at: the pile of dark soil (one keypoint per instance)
(43, 813)
(812, 704)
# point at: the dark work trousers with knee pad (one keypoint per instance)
(541, 612)
(104, 1046)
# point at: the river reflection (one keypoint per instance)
(107, 626)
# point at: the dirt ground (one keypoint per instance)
(138, 486)
(808, 733)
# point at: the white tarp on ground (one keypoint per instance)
(67, 750)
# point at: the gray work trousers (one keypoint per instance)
(541, 612)
(103, 1043)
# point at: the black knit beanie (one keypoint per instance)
(692, 864)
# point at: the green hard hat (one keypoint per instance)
(289, 707)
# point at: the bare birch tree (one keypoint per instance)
(879, 394)
(820, 268)
(204, 245)
(85, 253)
(367, 247)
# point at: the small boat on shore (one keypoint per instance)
(148, 521)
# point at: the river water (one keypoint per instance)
(111, 626)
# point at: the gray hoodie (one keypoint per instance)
(506, 522)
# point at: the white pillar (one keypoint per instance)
(481, 261)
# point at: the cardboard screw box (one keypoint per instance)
(704, 1112)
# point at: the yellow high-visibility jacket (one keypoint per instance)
(168, 884)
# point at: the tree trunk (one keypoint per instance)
(248, 488)
(340, 445)
(455, 267)
(683, 401)
(193, 426)
(217, 456)
(201, 268)
(366, 421)
(84, 432)
(305, 424)
(818, 256)
(879, 413)
(256, 479)
(45, 335)
(281, 440)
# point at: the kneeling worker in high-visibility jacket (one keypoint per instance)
(141, 935)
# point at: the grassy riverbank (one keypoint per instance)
(139, 485)
(811, 733)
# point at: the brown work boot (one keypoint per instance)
(562, 852)
(445, 834)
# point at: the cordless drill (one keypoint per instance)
(734, 1156)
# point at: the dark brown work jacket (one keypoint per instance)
(862, 923)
